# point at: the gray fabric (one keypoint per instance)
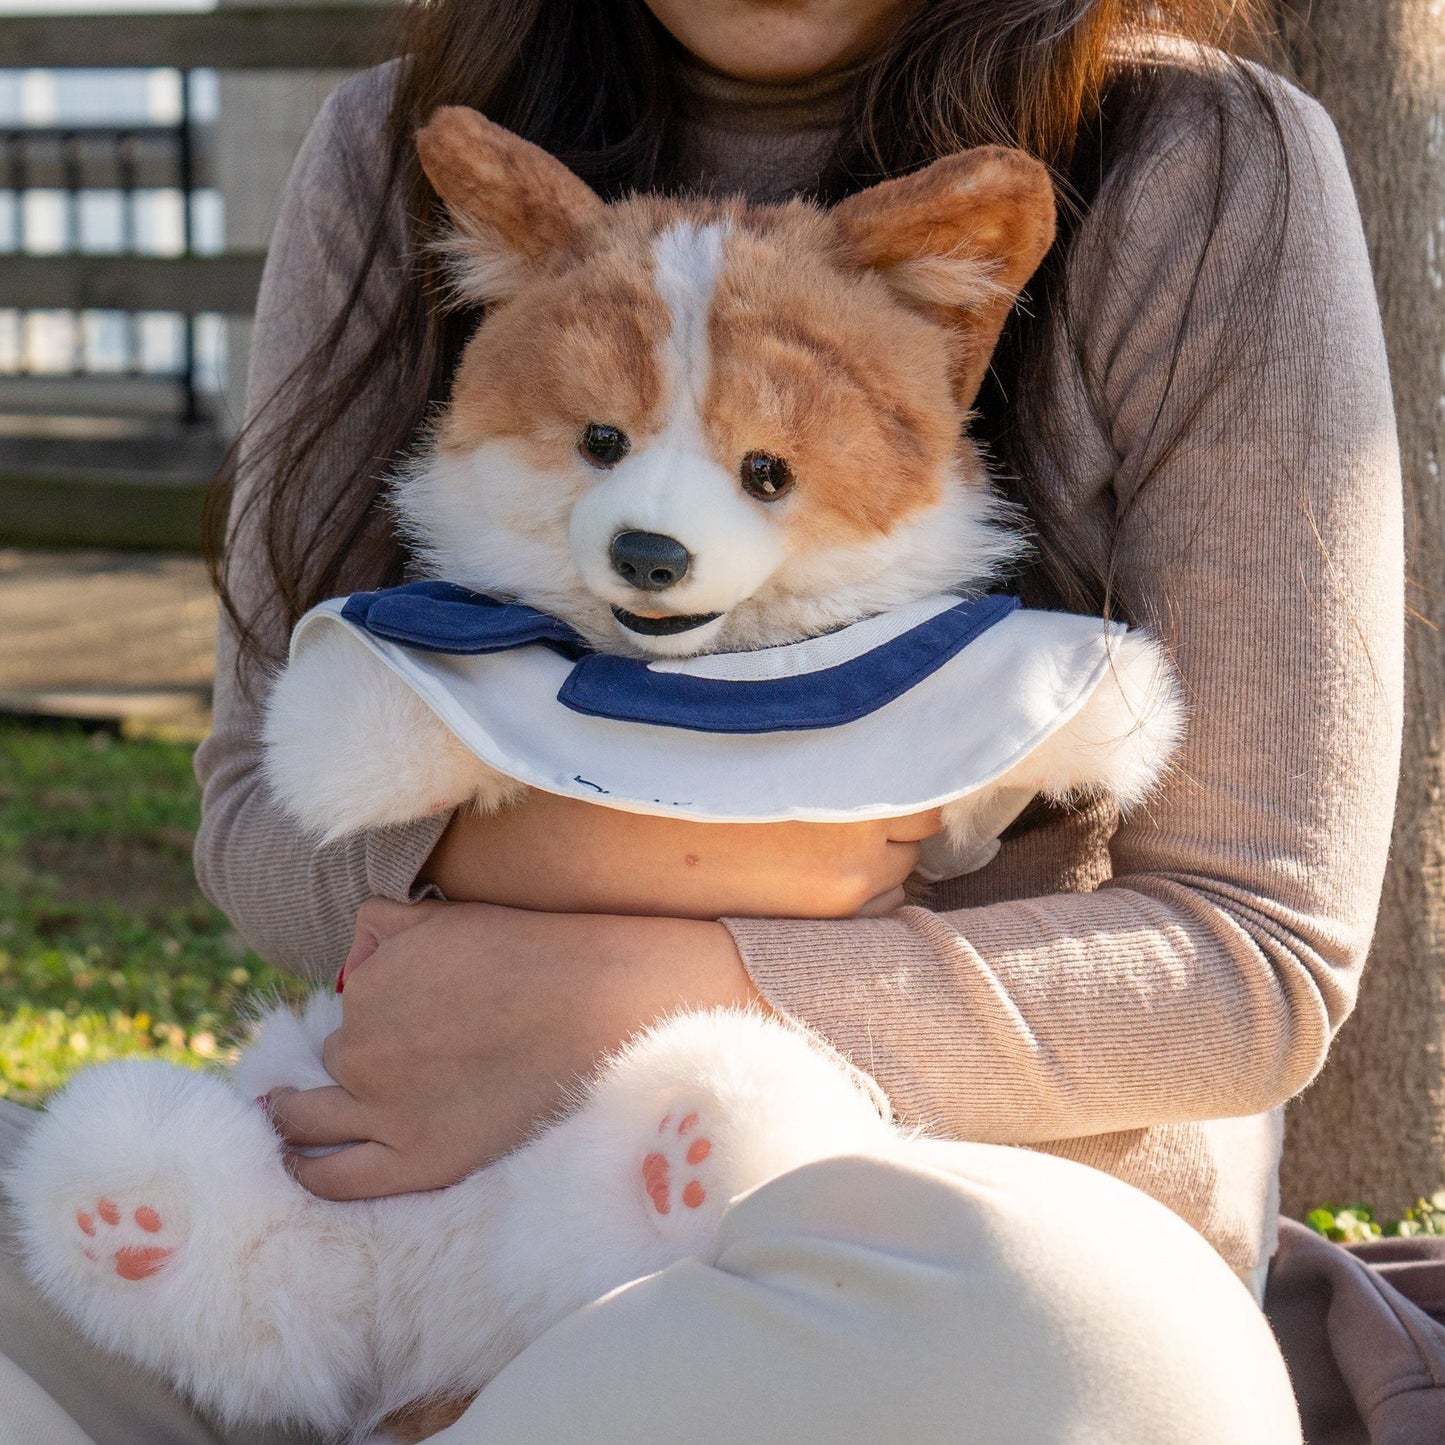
(1363, 1333)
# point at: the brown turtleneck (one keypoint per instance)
(768, 141)
(1140, 996)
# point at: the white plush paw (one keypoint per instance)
(718, 1102)
(130, 1239)
(154, 1211)
(687, 1117)
(1121, 740)
(348, 746)
(675, 1174)
(105, 1180)
(708, 1105)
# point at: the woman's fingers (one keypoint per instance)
(305, 1117)
(356, 1165)
(377, 920)
(361, 1171)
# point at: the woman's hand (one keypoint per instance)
(560, 855)
(465, 1025)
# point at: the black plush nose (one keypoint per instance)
(649, 561)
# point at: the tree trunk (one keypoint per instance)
(1373, 1128)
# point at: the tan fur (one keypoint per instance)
(424, 1419)
(989, 212)
(571, 347)
(813, 357)
(494, 181)
(824, 368)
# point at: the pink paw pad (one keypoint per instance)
(118, 1240)
(682, 1151)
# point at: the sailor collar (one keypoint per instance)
(891, 715)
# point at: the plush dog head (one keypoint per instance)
(692, 426)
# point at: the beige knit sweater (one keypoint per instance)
(1142, 997)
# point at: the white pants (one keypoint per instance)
(973, 1294)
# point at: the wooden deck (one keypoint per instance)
(126, 637)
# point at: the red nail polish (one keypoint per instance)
(341, 978)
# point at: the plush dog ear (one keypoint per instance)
(510, 202)
(957, 241)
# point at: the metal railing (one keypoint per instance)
(290, 37)
(127, 164)
(101, 413)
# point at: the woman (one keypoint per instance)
(1195, 410)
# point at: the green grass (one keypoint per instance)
(107, 948)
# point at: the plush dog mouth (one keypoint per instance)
(663, 626)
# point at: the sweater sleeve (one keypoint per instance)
(291, 900)
(1205, 978)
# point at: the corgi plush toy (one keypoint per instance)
(707, 538)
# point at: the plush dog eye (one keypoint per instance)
(765, 476)
(603, 446)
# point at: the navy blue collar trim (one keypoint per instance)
(442, 617)
(629, 691)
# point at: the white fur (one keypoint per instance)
(284, 1049)
(493, 522)
(687, 261)
(1120, 742)
(482, 266)
(349, 746)
(490, 520)
(278, 1308)
(674, 487)
(264, 1309)
(958, 280)
(961, 545)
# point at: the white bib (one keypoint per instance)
(890, 716)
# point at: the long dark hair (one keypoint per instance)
(594, 83)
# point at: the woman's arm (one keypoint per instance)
(292, 901)
(558, 855)
(1207, 977)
